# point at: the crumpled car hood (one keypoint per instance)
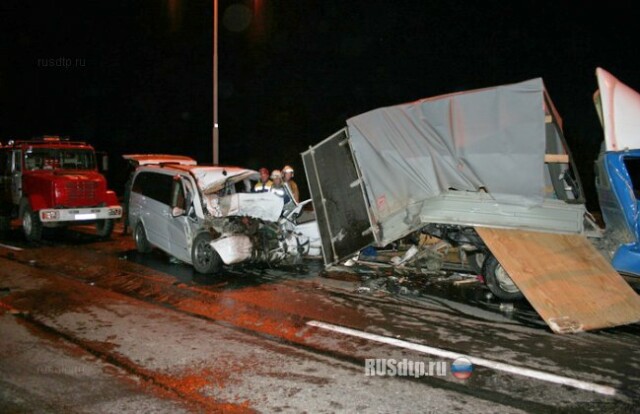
(619, 110)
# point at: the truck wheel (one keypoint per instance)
(104, 228)
(31, 225)
(140, 237)
(475, 261)
(204, 257)
(498, 280)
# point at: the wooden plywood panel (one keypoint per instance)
(568, 282)
(556, 158)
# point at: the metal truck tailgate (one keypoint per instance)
(568, 282)
(338, 197)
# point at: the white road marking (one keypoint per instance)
(498, 366)
(8, 246)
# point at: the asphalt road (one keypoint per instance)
(92, 326)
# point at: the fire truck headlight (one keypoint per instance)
(117, 211)
(49, 215)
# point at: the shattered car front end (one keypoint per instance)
(252, 238)
(248, 227)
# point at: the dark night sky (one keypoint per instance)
(291, 73)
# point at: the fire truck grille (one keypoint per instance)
(78, 193)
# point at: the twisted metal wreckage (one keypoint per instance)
(489, 171)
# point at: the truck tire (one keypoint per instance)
(140, 237)
(31, 224)
(104, 228)
(204, 257)
(498, 280)
(475, 261)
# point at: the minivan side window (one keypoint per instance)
(177, 196)
(154, 185)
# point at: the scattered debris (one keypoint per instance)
(410, 254)
(506, 307)
(174, 260)
(472, 279)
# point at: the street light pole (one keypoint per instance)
(215, 83)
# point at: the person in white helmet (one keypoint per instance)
(276, 179)
(277, 186)
(287, 172)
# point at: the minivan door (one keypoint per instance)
(183, 219)
(150, 199)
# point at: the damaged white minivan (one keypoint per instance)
(207, 216)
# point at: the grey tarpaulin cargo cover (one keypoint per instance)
(470, 158)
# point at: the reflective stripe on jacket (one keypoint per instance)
(261, 187)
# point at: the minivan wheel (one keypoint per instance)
(498, 280)
(140, 237)
(31, 225)
(204, 257)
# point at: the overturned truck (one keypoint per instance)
(488, 171)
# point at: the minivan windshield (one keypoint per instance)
(59, 158)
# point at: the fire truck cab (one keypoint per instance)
(52, 182)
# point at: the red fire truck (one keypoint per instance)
(52, 182)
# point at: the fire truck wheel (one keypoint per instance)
(104, 228)
(498, 280)
(31, 224)
(140, 237)
(204, 257)
(5, 225)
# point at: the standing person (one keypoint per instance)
(278, 186)
(287, 172)
(276, 180)
(264, 185)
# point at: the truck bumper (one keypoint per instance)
(80, 214)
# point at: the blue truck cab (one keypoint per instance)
(618, 171)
